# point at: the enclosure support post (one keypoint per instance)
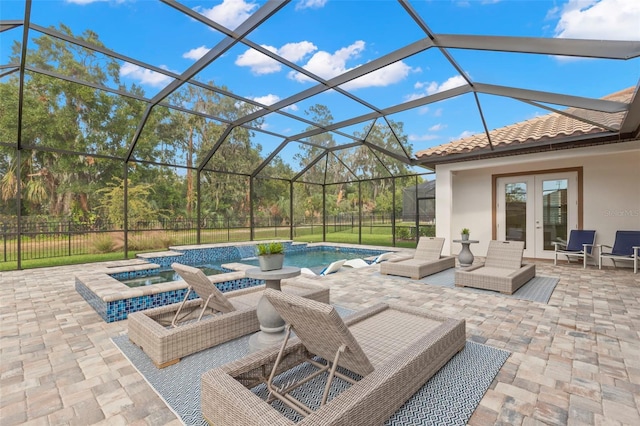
(359, 212)
(324, 214)
(417, 212)
(198, 210)
(393, 212)
(19, 206)
(291, 218)
(251, 224)
(126, 210)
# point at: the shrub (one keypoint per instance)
(104, 243)
(403, 233)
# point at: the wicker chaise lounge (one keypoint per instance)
(426, 261)
(395, 350)
(502, 270)
(229, 315)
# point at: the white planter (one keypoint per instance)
(270, 262)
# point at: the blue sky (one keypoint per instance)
(329, 37)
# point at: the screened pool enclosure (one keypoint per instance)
(129, 127)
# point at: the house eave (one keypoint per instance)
(530, 147)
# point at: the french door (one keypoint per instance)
(537, 209)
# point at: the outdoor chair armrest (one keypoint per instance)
(559, 243)
(472, 268)
(525, 267)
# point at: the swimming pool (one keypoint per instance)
(114, 301)
(314, 258)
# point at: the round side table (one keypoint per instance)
(465, 257)
(271, 323)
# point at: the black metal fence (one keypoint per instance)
(41, 238)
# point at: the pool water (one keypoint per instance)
(167, 276)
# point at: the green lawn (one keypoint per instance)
(63, 260)
(371, 235)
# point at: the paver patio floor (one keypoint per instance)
(575, 360)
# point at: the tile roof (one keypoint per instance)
(546, 127)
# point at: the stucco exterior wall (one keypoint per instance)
(611, 191)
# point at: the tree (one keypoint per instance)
(67, 118)
(140, 208)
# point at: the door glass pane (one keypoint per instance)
(515, 210)
(554, 211)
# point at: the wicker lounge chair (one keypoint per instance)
(230, 315)
(580, 245)
(395, 350)
(502, 270)
(332, 268)
(426, 261)
(626, 247)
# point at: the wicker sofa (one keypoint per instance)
(502, 270)
(166, 345)
(394, 349)
(427, 260)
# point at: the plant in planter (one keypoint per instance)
(465, 234)
(270, 255)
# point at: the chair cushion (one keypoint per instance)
(203, 287)
(429, 248)
(490, 271)
(321, 330)
(504, 254)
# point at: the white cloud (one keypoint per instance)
(294, 52)
(196, 53)
(267, 99)
(437, 127)
(229, 13)
(262, 64)
(327, 65)
(450, 83)
(431, 87)
(599, 19)
(310, 4)
(292, 107)
(386, 76)
(259, 62)
(145, 76)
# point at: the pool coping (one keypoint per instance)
(114, 300)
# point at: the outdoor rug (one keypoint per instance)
(538, 289)
(449, 398)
